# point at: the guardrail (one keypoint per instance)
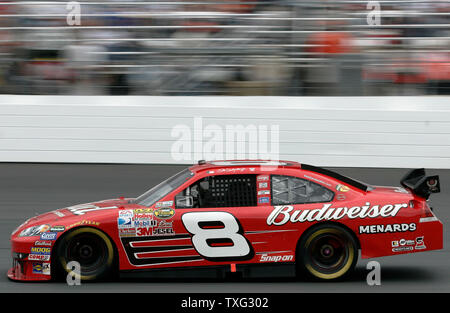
(327, 131)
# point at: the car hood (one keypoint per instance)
(88, 211)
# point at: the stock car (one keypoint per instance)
(246, 217)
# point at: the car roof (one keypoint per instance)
(203, 165)
(213, 165)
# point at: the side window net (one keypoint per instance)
(294, 190)
(230, 190)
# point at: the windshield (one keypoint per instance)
(162, 189)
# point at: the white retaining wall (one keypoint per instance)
(325, 131)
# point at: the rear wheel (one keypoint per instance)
(327, 252)
(91, 248)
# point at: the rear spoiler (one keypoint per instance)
(420, 184)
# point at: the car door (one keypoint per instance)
(232, 222)
(215, 211)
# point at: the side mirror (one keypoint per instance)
(183, 202)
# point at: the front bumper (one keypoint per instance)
(16, 273)
(28, 265)
(428, 236)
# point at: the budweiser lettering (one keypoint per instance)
(286, 213)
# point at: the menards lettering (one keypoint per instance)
(286, 213)
(389, 228)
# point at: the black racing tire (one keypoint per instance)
(91, 248)
(327, 252)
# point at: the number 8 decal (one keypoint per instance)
(230, 232)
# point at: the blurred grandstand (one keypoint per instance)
(278, 48)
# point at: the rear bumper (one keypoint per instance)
(428, 236)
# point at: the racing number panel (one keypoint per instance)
(223, 242)
(214, 236)
(139, 250)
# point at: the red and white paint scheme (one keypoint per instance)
(233, 215)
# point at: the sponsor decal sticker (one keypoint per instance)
(49, 236)
(39, 257)
(37, 268)
(420, 244)
(41, 268)
(286, 213)
(144, 223)
(163, 232)
(406, 242)
(57, 229)
(403, 245)
(234, 170)
(275, 258)
(262, 178)
(46, 268)
(164, 213)
(125, 219)
(43, 243)
(144, 231)
(402, 249)
(263, 192)
(263, 200)
(127, 232)
(164, 204)
(40, 250)
(165, 224)
(342, 188)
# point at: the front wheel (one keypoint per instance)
(91, 248)
(327, 252)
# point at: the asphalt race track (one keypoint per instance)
(28, 189)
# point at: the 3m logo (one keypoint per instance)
(144, 231)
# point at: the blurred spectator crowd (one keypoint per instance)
(226, 47)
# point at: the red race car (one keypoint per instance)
(252, 217)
